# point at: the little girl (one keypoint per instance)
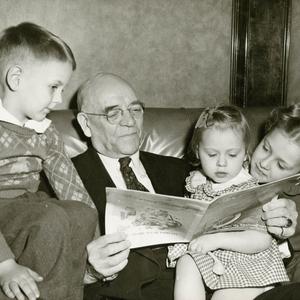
(250, 258)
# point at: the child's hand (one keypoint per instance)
(18, 281)
(197, 179)
(204, 244)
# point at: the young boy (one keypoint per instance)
(41, 240)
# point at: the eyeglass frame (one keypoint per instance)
(117, 108)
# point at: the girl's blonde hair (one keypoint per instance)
(222, 117)
(286, 119)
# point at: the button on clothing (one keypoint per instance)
(130, 179)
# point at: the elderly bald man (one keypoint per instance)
(111, 115)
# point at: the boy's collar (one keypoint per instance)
(37, 126)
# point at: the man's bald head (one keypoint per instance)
(99, 88)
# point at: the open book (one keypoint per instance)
(151, 219)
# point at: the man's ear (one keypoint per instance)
(84, 124)
(13, 77)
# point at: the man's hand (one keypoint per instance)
(109, 254)
(18, 281)
(277, 214)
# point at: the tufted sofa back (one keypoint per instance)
(166, 131)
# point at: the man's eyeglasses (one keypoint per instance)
(115, 115)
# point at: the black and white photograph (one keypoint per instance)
(149, 149)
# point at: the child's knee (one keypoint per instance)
(187, 268)
(82, 218)
(186, 262)
(85, 215)
(53, 220)
(188, 283)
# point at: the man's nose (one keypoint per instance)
(127, 118)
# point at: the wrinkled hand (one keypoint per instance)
(204, 244)
(276, 215)
(197, 179)
(109, 254)
(18, 281)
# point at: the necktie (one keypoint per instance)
(130, 179)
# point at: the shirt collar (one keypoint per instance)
(135, 159)
(242, 176)
(37, 126)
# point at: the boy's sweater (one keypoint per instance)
(23, 155)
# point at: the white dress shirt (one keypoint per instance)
(112, 166)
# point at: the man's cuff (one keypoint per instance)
(91, 275)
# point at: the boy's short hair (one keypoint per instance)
(28, 39)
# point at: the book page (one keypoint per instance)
(233, 207)
(151, 219)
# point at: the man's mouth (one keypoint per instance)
(129, 134)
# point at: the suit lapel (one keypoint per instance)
(153, 171)
(97, 178)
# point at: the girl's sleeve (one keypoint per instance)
(194, 180)
(61, 172)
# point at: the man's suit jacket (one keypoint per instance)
(167, 175)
